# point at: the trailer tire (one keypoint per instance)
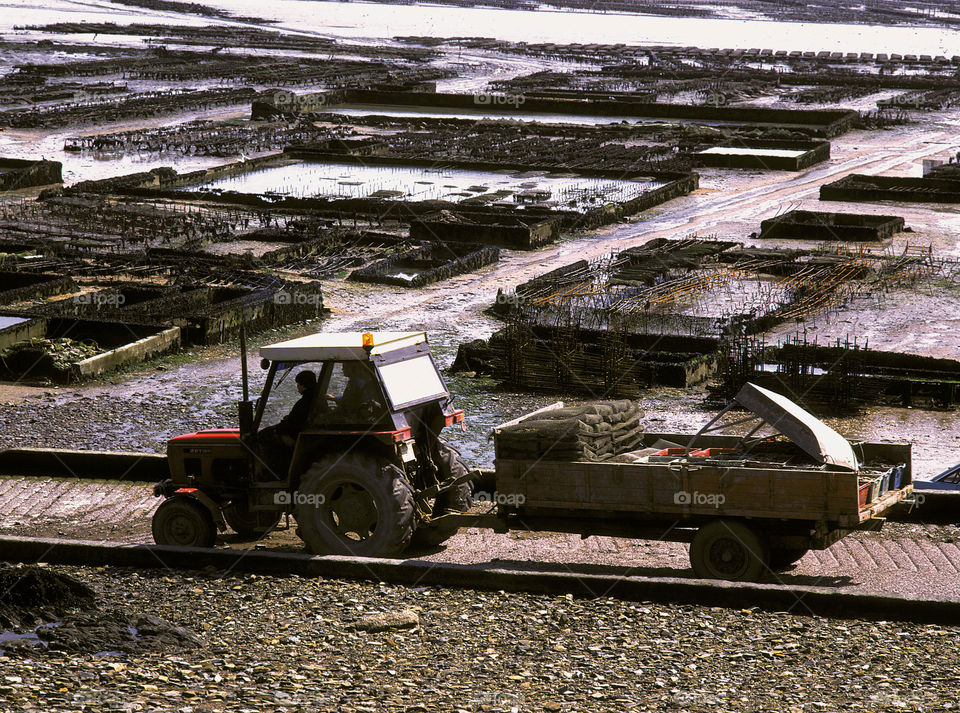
(246, 523)
(355, 504)
(731, 550)
(783, 557)
(182, 521)
(455, 500)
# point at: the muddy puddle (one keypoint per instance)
(303, 180)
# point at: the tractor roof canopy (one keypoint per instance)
(339, 346)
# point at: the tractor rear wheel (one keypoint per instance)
(731, 550)
(183, 522)
(246, 523)
(354, 504)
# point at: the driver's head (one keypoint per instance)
(306, 380)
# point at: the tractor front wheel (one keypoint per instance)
(354, 504)
(183, 522)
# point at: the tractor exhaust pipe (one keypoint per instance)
(245, 408)
(243, 361)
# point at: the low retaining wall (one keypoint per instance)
(220, 322)
(825, 122)
(817, 601)
(166, 177)
(813, 225)
(309, 154)
(118, 343)
(19, 173)
(210, 315)
(31, 328)
(205, 314)
(107, 303)
(813, 153)
(431, 264)
(100, 465)
(20, 286)
(166, 341)
(490, 227)
(858, 187)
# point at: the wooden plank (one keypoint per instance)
(630, 487)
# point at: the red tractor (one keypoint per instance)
(365, 473)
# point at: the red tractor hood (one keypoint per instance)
(220, 434)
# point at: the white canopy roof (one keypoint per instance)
(339, 346)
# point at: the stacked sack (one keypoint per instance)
(585, 433)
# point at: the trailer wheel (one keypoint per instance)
(783, 557)
(246, 523)
(456, 500)
(355, 504)
(731, 550)
(183, 522)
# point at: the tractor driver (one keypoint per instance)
(277, 441)
(361, 399)
(291, 424)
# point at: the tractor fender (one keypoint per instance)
(207, 502)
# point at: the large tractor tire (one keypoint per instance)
(731, 550)
(457, 500)
(249, 524)
(183, 522)
(354, 504)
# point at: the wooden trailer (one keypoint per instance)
(747, 504)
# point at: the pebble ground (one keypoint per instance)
(286, 645)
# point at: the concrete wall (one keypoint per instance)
(810, 225)
(108, 334)
(122, 343)
(431, 263)
(20, 286)
(293, 302)
(167, 178)
(18, 173)
(504, 230)
(825, 123)
(858, 187)
(109, 303)
(814, 153)
(166, 341)
(33, 328)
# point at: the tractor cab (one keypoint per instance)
(371, 404)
